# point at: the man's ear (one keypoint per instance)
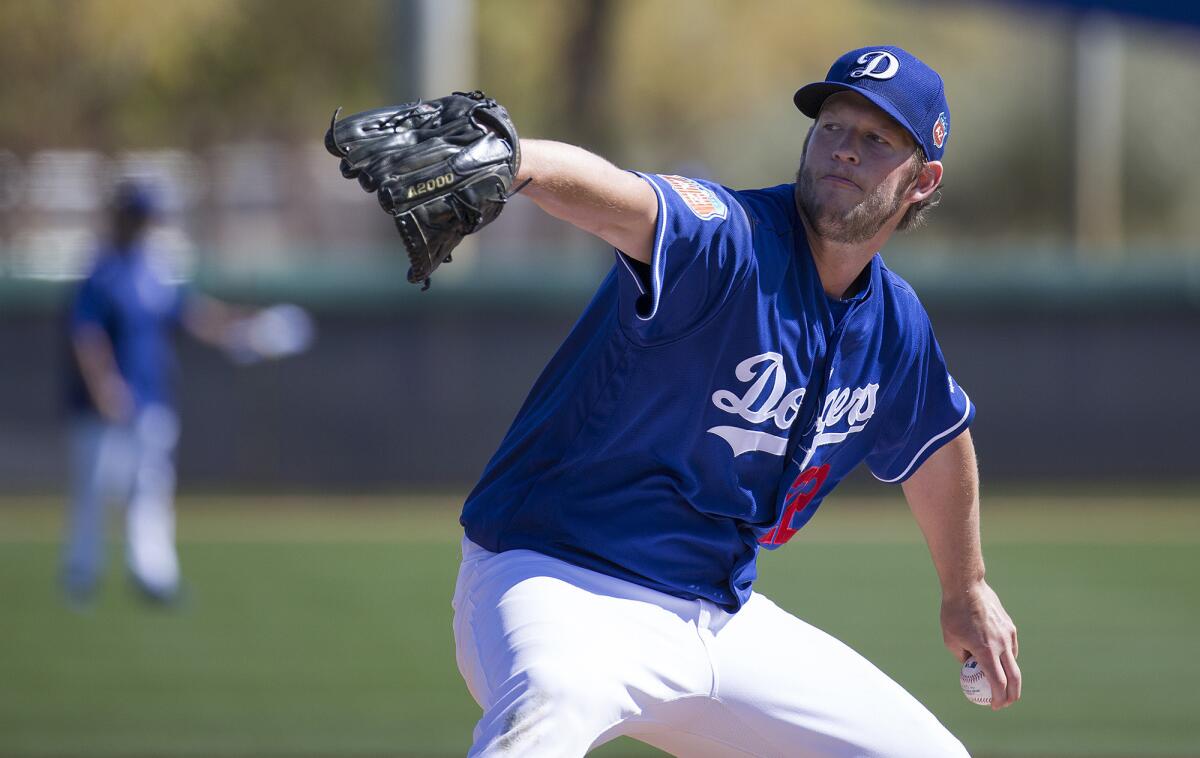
(927, 182)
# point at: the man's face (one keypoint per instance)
(856, 171)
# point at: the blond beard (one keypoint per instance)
(859, 224)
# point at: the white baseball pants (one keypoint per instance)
(563, 659)
(131, 463)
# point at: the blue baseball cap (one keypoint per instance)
(895, 80)
(135, 198)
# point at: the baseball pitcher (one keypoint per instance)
(748, 349)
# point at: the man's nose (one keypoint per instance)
(845, 149)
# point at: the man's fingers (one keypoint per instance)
(1013, 673)
(976, 624)
(996, 678)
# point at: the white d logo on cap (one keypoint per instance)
(878, 64)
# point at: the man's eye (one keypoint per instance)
(877, 138)
(830, 127)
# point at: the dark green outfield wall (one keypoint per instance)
(1072, 383)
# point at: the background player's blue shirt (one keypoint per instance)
(138, 309)
(705, 404)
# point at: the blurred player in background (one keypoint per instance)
(124, 427)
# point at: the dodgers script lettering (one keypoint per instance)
(768, 399)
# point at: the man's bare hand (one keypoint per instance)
(975, 623)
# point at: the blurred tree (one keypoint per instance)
(588, 56)
(133, 72)
(520, 62)
(700, 86)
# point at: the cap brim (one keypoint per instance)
(811, 97)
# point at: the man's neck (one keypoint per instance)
(839, 265)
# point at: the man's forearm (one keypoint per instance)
(210, 320)
(944, 498)
(587, 191)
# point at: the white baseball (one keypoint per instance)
(974, 684)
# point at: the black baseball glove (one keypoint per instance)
(442, 167)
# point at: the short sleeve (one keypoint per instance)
(90, 306)
(703, 246)
(928, 410)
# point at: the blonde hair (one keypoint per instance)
(914, 217)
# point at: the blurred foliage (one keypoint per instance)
(697, 86)
(704, 87)
(108, 73)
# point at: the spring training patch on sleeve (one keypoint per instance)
(699, 199)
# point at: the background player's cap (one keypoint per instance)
(134, 198)
(895, 80)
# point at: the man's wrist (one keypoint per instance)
(529, 157)
(963, 586)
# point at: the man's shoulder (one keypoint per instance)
(774, 207)
(106, 267)
(901, 302)
(98, 276)
(898, 287)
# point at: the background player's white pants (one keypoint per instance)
(563, 659)
(133, 464)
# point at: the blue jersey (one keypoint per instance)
(138, 309)
(704, 405)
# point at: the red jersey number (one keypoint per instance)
(799, 495)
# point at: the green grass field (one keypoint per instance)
(321, 627)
